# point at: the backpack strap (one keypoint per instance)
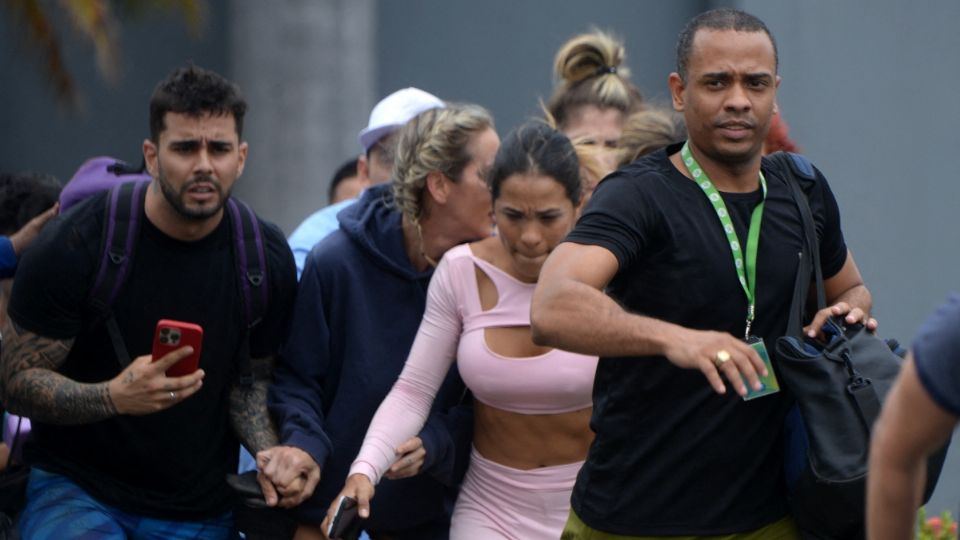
(121, 226)
(251, 264)
(801, 166)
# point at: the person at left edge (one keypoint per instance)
(130, 452)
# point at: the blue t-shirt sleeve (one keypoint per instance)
(936, 353)
(314, 229)
(8, 258)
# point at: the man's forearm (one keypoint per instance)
(248, 409)
(47, 396)
(893, 496)
(578, 318)
(33, 388)
(856, 297)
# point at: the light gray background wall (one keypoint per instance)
(868, 90)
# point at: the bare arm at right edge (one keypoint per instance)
(571, 312)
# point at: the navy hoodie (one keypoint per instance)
(357, 313)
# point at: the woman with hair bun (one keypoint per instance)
(593, 97)
(594, 94)
(532, 404)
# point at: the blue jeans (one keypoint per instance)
(59, 509)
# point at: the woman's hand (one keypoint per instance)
(359, 487)
(410, 457)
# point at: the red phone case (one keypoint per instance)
(172, 335)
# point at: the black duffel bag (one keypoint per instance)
(839, 384)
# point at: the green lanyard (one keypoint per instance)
(748, 279)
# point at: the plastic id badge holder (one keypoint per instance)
(770, 383)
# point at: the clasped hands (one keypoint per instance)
(288, 475)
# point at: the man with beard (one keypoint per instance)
(698, 276)
(126, 451)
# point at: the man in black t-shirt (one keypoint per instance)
(127, 451)
(692, 269)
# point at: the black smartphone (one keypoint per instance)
(345, 518)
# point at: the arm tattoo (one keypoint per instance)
(248, 408)
(33, 388)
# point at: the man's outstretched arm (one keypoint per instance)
(570, 311)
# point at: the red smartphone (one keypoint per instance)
(172, 335)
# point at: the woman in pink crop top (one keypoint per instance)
(532, 404)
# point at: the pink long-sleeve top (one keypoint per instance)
(453, 327)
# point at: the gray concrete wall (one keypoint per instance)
(499, 53)
(307, 68)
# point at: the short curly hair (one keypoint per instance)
(195, 91)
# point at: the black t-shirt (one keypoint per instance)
(170, 464)
(672, 457)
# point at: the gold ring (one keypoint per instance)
(721, 358)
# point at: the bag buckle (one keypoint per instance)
(858, 383)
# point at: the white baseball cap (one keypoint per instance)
(394, 111)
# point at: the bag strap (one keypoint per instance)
(121, 226)
(251, 264)
(859, 387)
(790, 166)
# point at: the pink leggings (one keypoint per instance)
(499, 502)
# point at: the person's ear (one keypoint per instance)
(363, 170)
(242, 156)
(150, 157)
(438, 186)
(677, 86)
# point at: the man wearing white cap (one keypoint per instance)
(373, 167)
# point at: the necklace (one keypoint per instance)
(430, 260)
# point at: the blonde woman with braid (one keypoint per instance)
(362, 296)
